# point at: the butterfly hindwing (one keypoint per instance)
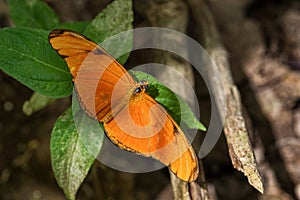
(144, 127)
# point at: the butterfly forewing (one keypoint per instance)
(95, 73)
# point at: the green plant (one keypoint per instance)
(26, 55)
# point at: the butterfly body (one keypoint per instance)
(132, 119)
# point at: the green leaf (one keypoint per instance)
(78, 26)
(32, 13)
(36, 103)
(116, 18)
(72, 151)
(173, 103)
(26, 55)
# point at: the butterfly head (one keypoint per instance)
(141, 86)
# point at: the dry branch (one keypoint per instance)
(239, 147)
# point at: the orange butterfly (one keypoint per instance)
(132, 119)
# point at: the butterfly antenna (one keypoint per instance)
(151, 58)
(149, 64)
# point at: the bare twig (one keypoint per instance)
(240, 150)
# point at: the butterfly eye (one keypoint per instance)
(137, 90)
